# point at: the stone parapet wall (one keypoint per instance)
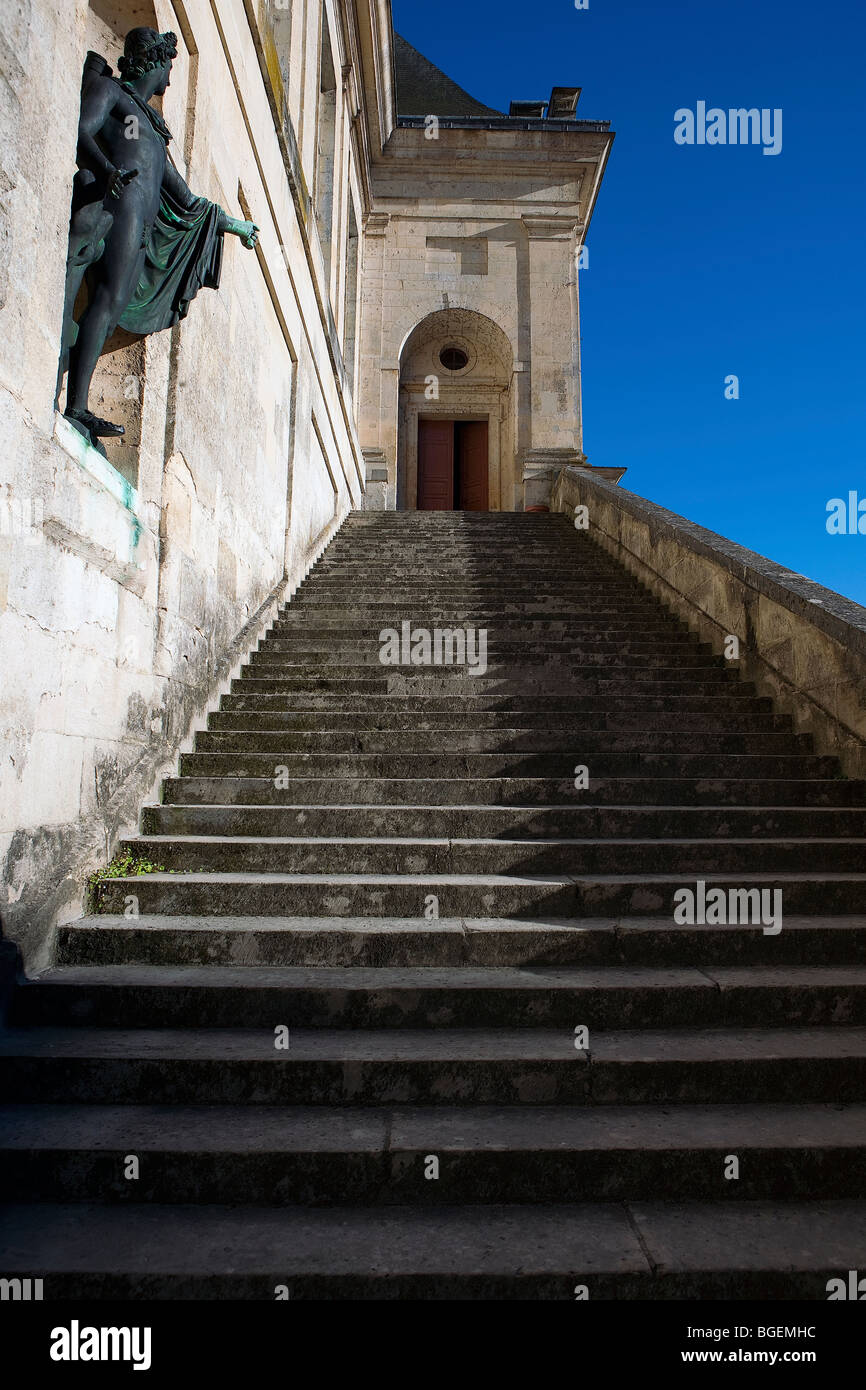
(802, 644)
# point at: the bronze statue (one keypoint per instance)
(145, 242)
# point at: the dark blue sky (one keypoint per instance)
(709, 261)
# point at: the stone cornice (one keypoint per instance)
(540, 228)
(376, 224)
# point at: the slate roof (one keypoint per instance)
(424, 90)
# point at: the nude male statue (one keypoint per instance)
(146, 243)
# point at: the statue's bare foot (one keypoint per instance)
(100, 429)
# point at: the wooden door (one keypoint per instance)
(472, 465)
(435, 465)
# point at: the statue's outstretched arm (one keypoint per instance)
(181, 192)
(247, 231)
(178, 188)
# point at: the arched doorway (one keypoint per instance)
(455, 429)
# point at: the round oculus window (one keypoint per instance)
(453, 359)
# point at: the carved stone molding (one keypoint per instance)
(377, 223)
(550, 228)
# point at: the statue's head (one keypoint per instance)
(147, 51)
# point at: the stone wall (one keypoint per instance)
(802, 644)
(129, 591)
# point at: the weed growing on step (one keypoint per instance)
(121, 866)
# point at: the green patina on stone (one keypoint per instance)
(98, 467)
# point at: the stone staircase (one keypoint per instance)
(335, 805)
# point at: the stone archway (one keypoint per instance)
(456, 366)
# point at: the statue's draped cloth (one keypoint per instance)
(184, 252)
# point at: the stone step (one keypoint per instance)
(544, 647)
(558, 677)
(524, 1067)
(363, 789)
(527, 570)
(467, 895)
(530, 822)
(527, 575)
(398, 604)
(294, 626)
(544, 526)
(471, 528)
(470, 550)
(737, 719)
(469, 523)
(357, 855)
(304, 1156)
(441, 551)
(437, 546)
(391, 607)
(564, 601)
(390, 611)
(395, 942)
(438, 683)
(647, 1250)
(731, 699)
(432, 548)
(424, 766)
(526, 567)
(418, 595)
(506, 739)
(525, 581)
(436, 535)
(545, 650)
(433, 537)
(536, 563)
(463, 997)
(437, 550)
(536, 666)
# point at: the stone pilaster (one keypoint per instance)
(555, 427)
(371, 329)
(380, 492)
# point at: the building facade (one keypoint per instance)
(406, 334)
